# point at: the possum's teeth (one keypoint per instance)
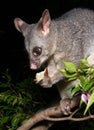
(40, 76)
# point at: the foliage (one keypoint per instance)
(84, 75)
(18, 101)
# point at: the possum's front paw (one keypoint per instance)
(45, 82)
(43, 79)
(65, 106)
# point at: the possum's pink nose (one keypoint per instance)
(34, 64)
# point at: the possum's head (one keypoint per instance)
(39, 39)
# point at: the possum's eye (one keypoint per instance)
(37, 51)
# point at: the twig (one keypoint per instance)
(70, 118)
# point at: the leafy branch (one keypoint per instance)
(52, 115)
(84, 74)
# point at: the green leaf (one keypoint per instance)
(83, 82)
(83, 67)
(15, 101)
(90, 102)
(65, 73)
(73, 77)
(89, 85)
(81, 102)
(4, 120)
(68, 75)
(84, 61)
(75, 90)
(70, 67)
(15, 120)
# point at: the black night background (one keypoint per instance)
(13, 56)
(12, 51)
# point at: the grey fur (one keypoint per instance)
(69, 38)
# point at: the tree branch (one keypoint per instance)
(45, 114)
(71, 118)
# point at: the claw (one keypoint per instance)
(65, 106)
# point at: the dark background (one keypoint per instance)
(12, 51)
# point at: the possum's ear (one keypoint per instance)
(20, 24)
(44, 22)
